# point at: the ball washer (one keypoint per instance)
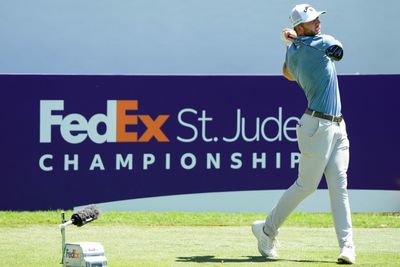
(81, 254)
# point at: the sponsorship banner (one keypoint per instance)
(69, 140)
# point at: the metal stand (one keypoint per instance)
(64, 223)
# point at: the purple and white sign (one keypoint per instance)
(68, 140)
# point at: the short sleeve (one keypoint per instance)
(328, 40)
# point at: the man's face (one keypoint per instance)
(311, 28)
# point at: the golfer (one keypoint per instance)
(321, 132)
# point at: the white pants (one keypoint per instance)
(324, 148)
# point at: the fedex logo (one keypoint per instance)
(75, 128)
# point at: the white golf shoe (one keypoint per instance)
(347, 255)
(266, 245)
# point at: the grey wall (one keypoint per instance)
(185, 36)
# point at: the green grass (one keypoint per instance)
(196, 239)
(297, 219)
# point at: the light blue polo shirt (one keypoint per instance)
(316, 73)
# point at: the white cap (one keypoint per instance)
(304, 13)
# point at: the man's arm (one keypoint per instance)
(288, 36)
(287, 73)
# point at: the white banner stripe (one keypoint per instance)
(255, 201)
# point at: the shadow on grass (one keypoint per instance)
(202, 259)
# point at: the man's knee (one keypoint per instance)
(306, 188)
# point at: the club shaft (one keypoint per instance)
(296, 41)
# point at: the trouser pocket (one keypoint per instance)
(308, 126)
(313, 137)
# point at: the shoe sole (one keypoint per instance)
(344, 260)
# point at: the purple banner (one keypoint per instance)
(69, 140)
